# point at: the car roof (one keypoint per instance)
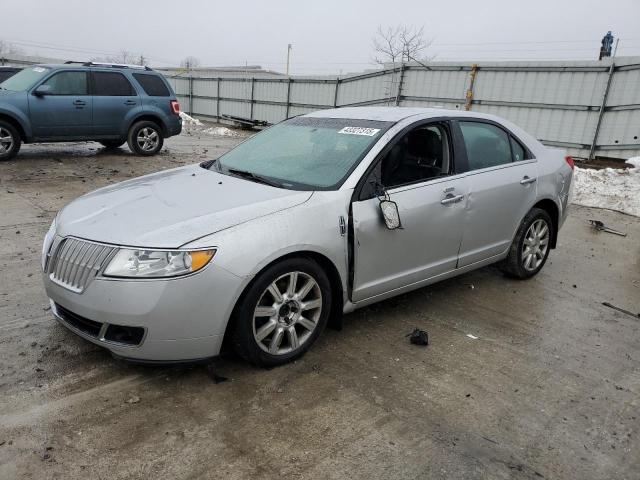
(393, 114)
(106, 66)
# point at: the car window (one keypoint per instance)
(517, 150)
(25, 79)
(421, 154)
(305, 152)
(67, 83)
(111, 84)
(487, 145)
(152, 85)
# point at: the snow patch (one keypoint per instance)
(190, 121)
(221, 132)
(194, 126)
(635, 161)
(615, 189)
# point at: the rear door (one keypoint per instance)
(113, 98)
(65, 111)
(502, 180)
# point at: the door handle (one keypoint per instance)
(526, 180)
(130, 102)
(79, 102)
(449, 199)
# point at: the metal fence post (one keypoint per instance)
(190, 94)
(286, 114)
(469, 95)
(399, 94)
(218, 99)
(253, 83)
(603, 105)
(335, 93)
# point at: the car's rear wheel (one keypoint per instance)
(531, 245)
(111, 144)
(9, 141)
(282, 313)
(145, 138)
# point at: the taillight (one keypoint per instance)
(569, 160)
(175, 107)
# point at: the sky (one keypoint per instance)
(327, 36)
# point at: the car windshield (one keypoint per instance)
(24, 79)
(304, 153)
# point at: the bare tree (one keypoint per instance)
(399, 44)
(124, 57)
(8, 48)
(190, 62)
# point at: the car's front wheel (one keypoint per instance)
(145, 138)
(531, 245)
(282, 313)
(9, 141)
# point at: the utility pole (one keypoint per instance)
(288, 58)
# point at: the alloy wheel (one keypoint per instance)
(536, 243)
(6, 141)
(147, 139)
(287, 313)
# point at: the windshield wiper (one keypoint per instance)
(254, 177)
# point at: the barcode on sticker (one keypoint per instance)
(369, 132)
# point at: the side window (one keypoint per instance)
(487, 145)
(111, 84)
(68, 83)
(152, 85)
(518, 151)
(420, 155)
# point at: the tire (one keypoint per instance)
(269, 338)
(143, 132)
(530, 247)
(111, 144)
(10, 141)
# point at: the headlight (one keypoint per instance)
(157, 263)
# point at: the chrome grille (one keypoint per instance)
(76, 262)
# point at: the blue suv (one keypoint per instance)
(110, 104)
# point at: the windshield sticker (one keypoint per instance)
(38, 69)
(369, 132)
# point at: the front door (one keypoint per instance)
(64, 110)
(418, 174)
(502, 182)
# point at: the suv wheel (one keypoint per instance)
(9, 141)
(531, 245)
(282, 313)
(111, 144)
(145, 138)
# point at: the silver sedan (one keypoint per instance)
(312, 218)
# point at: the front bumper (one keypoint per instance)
(179, 319)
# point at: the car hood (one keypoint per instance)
(171, 208)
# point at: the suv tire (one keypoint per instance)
(531, 245)
(270, 331)
(111, 144)
(145, 138)
(10, 141)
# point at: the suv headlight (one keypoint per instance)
(137, 263)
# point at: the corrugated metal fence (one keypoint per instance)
(586, 107)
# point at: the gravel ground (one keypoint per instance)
(549, 389)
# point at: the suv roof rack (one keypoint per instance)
(110, 65)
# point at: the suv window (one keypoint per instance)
(487, 145)
(152, 85)
(67, 83)
(111, 84)
(419, 155)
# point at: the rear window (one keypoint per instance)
(111, 84)
(152, 85)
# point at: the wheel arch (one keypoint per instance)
(552, 209)
(335, 281)
(151, 118)
(16, 124)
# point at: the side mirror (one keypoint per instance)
(42, 90)
(390, 214)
